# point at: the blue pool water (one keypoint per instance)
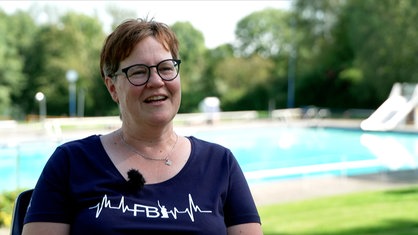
(264, 153)
(281, 153)
(21, 164)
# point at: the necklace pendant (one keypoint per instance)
(168, 162)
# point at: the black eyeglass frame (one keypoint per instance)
(125, 71)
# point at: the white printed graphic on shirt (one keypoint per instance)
(149, 211)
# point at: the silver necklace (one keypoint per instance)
(167, 161)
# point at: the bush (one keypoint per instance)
(7, 200)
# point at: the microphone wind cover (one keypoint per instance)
(135, 179)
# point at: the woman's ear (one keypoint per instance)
(110, 85)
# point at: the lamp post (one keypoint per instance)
(72, 77)
(292, 69)
(40, 97)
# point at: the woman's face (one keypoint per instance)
(156, 102)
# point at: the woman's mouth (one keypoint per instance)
(157, 98)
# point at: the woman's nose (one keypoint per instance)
(155, 79)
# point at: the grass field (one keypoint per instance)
(382, 212)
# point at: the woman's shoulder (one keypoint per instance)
(204, 143)
(91, 143)
(87, 148)
(92, 139)
(204, 147)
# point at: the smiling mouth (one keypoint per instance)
(155, 99)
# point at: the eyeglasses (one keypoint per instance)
(139, 74)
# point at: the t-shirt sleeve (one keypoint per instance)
(239, 206)
(51, 198)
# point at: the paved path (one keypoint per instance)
(302, 189)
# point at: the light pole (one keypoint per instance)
(80, 103)
(40, 97)
(72, 77)
(292, 69)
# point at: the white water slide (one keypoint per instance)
(394, 110)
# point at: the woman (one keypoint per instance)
(142, 178)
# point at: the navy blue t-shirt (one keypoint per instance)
(81, 186)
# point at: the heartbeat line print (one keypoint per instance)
(190, 211)
(149, 211)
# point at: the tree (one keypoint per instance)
(210, 78)
(383, 37)
(355, 50)
(17, 30)
(321, 53)
(73, 43)
(239, 78)
(82, 54)
(192, 54)
(119, 14)
(268, 34)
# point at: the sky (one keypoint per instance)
(216, 19)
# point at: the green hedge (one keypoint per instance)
(7, 200)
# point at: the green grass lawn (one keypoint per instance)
(383, 212)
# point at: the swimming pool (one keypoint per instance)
(277, 153)
(265, 153)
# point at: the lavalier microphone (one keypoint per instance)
(135, 179)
